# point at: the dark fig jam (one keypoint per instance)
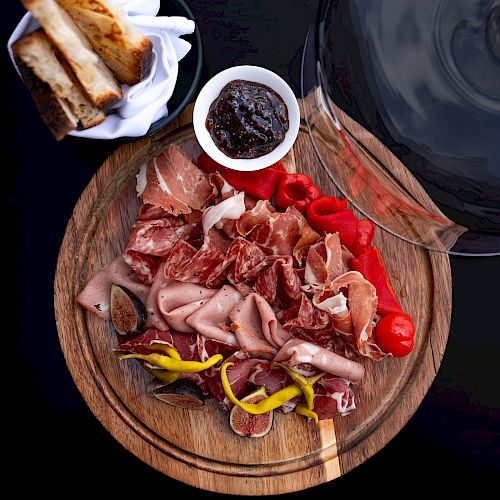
(247, 120)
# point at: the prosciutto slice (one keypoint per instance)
(333, 396)
(179, 300)
(273, 378)
(210, 319)
(324, 262)
(140, 344)
(95, 297)
(336, 306)
(256, 328)
(230, 209)
(258, 215)
(171, 181)
(297, 351)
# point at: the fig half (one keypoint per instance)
(128, 313)
(181, 393)
(248, 425)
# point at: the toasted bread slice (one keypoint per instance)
(126, 51)
(36, 52)
(95, 77)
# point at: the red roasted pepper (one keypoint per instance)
(328, 214)
(259, 183)
(395, 334)
(371, 266)
(296, 190)
(363, 238)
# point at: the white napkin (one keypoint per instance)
(146, 102)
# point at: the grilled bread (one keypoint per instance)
(127, 52)
(95, 77)
(37, 53)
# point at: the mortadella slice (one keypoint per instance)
(297, 351)
(96, 295)
(210, 320)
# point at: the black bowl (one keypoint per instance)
(189, 70)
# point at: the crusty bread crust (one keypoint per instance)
(41, 57)
(126, 51)
(95, 77)
(54, 112)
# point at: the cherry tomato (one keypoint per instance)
(394, 334)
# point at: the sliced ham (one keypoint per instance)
(297, 351)
(154, 317)
(308, 237)
(174, 183)
(95, 297)
(336, 306)
(179, 300)
(256, 328)
(210, 319)
(279, 284)
(229, 209)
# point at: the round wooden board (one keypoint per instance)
(198, 447)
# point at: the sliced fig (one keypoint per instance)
(248, 425)
(181, 393)
(128, 313)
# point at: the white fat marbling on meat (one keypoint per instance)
(333, 305)
(141, 180)
(161, 181)
(231, 208)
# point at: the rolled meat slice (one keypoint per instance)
(256, 328)
(180, 300)
(210, 319)
(297, 351)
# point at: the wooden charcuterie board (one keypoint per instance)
(198, 447)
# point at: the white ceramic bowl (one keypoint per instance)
(211, 91)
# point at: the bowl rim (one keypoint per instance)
(212, 89)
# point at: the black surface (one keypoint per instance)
(56, 445)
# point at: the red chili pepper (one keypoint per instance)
(296, 190)
(371, 266)
(363, 238)
(259, 183)
(328, 214)
(394, 334)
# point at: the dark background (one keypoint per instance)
(56, 444)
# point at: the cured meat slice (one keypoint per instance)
(309, 237)
(96, 295)
(246, 259)
(324, 261)
(156, 237)
(185, 263)
(229, 209)
(297, 351)
(179, 300)
(172, 182)
(144, 266)
(210, 319)
(303, 317)
(336, 306)
(154, 318)
(256, 328)
(280, 233)
(279, 284)
(208, 347)
(257, 215)
(150, 212)
(362, 305)
(272, 377)
(237, 376)
(140, 344)
(220, 239)
(333, 396)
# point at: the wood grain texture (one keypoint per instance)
(198, 447)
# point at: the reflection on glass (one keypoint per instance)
(402, 99)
